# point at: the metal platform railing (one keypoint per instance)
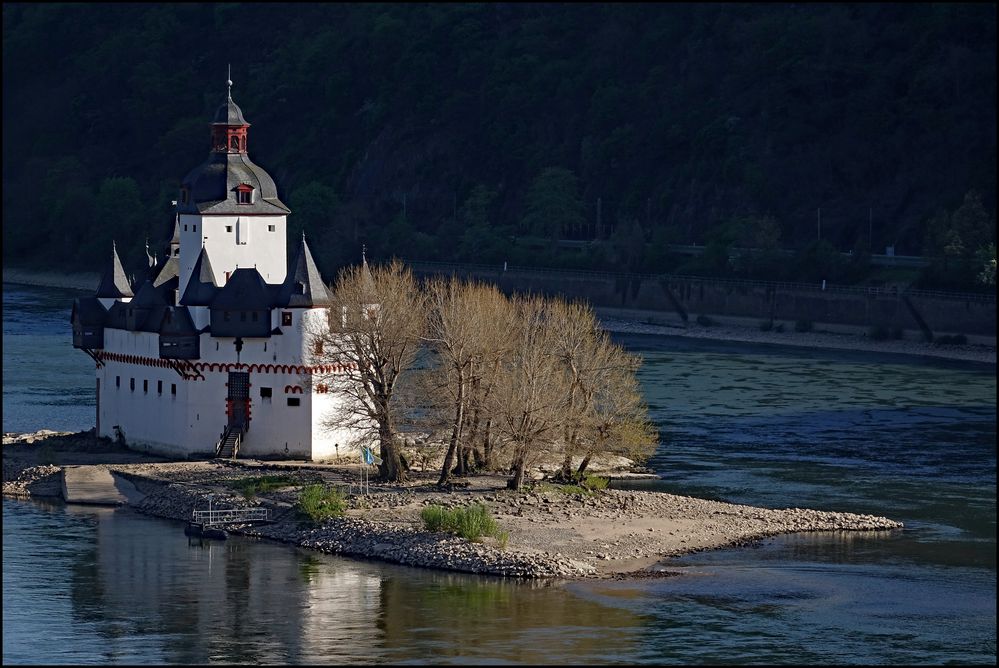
(214, 517)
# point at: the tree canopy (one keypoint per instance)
(438, 131)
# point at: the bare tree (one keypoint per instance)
(495, 346)
(371, 336)
(617, 420)
(453, 328)
(467, 331)
(529, 400)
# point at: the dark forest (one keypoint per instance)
(497, 132)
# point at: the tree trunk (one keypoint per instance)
(582, 465)
(565, 473)
(487, 448)
(479, 458)
(518, 475)
(473, 432)
(391, 467)
(459, 412)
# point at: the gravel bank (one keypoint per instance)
(552, 534)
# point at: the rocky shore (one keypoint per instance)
(552, 533)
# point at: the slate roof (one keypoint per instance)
(245, 291)
(114, 283)
(168, 270)
(201, 287)
(229, 113)
(116, 316)
(304, 286)
(179, 323)
(212, 187)
(367, 282)
(88, 311)
(147, 308)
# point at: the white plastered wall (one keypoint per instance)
(234, 241)
(155, 419)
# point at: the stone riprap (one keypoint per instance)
(552, 533)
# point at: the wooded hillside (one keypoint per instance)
(440, 131)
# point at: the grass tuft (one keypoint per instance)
(321, 503)
(250, 487)
(470, 522)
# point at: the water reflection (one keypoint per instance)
(140, 591)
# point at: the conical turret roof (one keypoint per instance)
(201, 287)
(304, 286)
(367, 281)
(114, 283)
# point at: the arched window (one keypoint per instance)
(234, 143)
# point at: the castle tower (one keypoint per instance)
(229, 206)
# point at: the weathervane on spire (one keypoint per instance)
(228, 80)
(364, 249)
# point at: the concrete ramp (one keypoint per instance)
(96, 485)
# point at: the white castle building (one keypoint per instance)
(208, 354)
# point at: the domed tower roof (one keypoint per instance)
(228, 182)
(229, 113)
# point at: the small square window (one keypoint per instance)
(185, 228)
(294, 401)
(265, 393)
(228, 228)
(244, 197)
(286, 318)
(159, 387)
(173, 389)
(117, 381)
(270, 228)
(145, 386)
(131, 384)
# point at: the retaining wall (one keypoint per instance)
(684, 298)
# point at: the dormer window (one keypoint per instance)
(244, 194)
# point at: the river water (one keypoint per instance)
(905, 437)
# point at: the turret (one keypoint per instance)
(114, 283)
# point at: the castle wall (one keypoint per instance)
(234, 241)
(158, 410)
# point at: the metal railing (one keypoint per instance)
(236, 433)
(219, 443)
(214, 517)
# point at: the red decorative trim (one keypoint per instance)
(199, 367)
